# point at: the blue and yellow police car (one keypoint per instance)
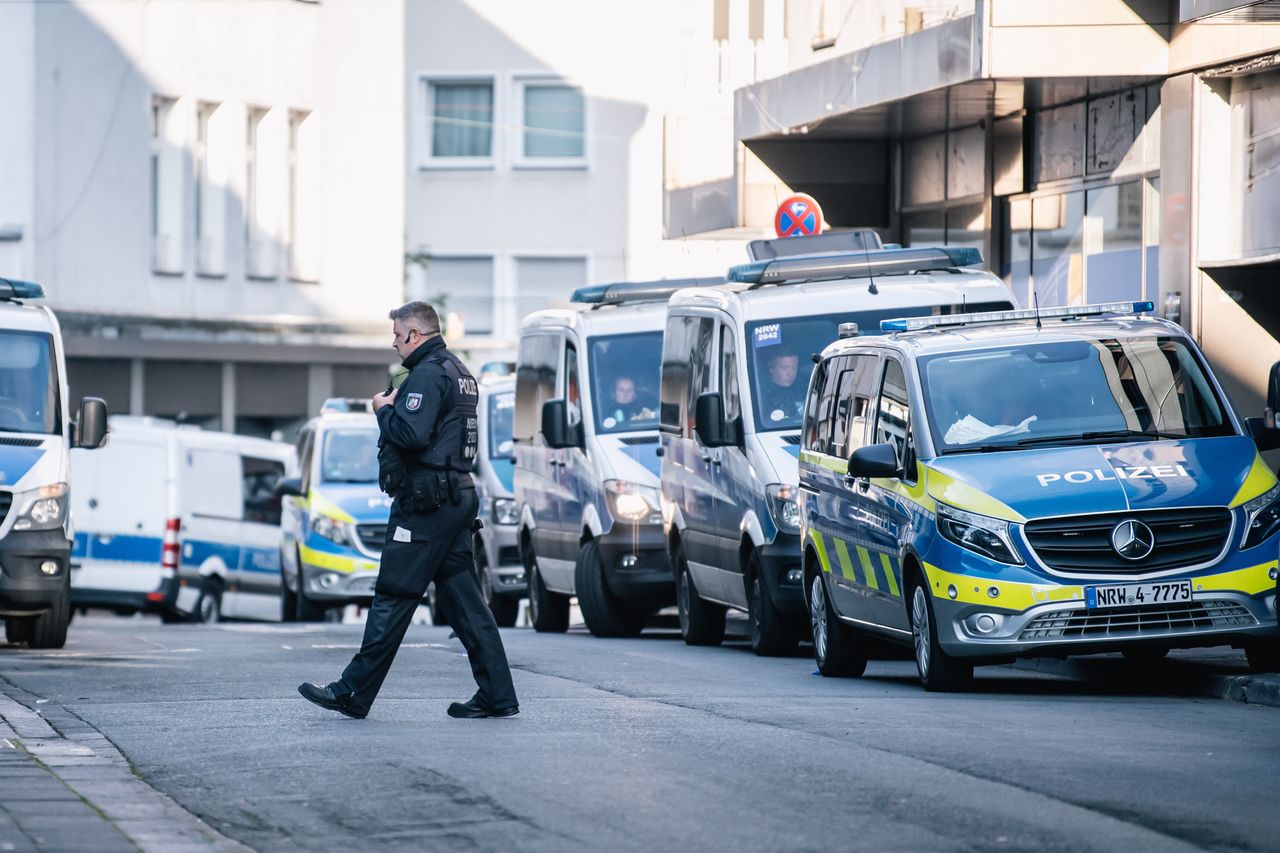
(1013, 484)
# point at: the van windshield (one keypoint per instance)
(28, 383)
(625, 373)
(779, 354)
(1069, 392)
(350, 456)
(501, 409)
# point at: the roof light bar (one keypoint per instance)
(853, 240)
(11, 288)
(1063, 312)
(855, 264)
(848, 330)
(637, 291)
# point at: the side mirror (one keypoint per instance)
(91, 426)
(556, 430)
(1273, 396)
(1266, 437)
(875, 460)
(288, 487)
(708, 420)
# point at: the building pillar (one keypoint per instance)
(228, 407)
(319, 387)
(137, 375)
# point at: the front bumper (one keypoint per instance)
(337, 578)
(1227, 608)
(24, 589)
(636, 566)
(780, 561)
(502, 552)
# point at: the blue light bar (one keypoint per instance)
(1063, 312)
(637, 291)
(882, 262)
(11, 288)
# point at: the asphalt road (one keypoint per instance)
(646, 744)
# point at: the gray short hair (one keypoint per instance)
(422, 315)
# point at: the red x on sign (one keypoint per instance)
(798, 216)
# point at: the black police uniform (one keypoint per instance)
(433, 425)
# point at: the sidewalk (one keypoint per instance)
(1217, 673)
(63, 786)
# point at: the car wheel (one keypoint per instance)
(838, 650)
(771, 635)
(548, 611)
(1263, 655)
(288, 599)
(49, 629)
(307, 610)
(701, 622)
(938, 671)
(503, 607)
(604, 613)
(18, 629)
(208, 609)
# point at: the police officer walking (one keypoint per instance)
(429, 435)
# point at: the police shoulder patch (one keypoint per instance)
(413, 402)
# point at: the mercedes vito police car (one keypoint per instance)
(735, 369)
(998, 485)
(502, 577)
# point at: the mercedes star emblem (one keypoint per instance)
(1133, 540)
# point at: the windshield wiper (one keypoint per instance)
(1095, 436)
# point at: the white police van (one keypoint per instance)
(36, 433)
(179, 521)
(735, 368)
(497, 550)
(586, 465)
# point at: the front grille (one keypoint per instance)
(508, 555)
(1183, 537)
(1144, 620)
(372, 535)
(636, 440)
(6, 498)
(791, 438)
(20, 442)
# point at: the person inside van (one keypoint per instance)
(782, 395)
(625, 406)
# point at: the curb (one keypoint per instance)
(1259, 689)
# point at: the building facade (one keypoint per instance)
(1096, 150)
(211, 195)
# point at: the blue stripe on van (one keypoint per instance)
(15, 462)
(195, 552)
(147, 549)
(266, 560)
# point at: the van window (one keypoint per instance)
(825, 396)
(686, 370)
(625, 373)
(893, 418)
(853, 405)
(260, 476)
(211, 484)
(349, 456)
(306, 449)
(28, 383)
(729, 373)
(572, 388)
(501, 408)
(813, 424)
(535, 382)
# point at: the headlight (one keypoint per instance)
(41, 509)
(332, 529)
(504, 511)
(783, 506)
(981, 534)
(1262, 518)
(633, 502)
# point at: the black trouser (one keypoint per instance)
(440, 551)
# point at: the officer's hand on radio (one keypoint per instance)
(385, 399)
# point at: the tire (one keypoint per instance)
(18, 629)
(1144, 654)
(838, 650)
(771, 634)
(307, 610)
(49, 629)
(1263, 655)
(208, 609)
(701, 622)
(939, 672)
(548, 611)
(288, 598)
(503, 607)
(604, 613)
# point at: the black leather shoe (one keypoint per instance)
(326, 698)
(473, 710)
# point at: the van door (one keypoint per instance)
(209, 497)
(257, 577)
(534, 479)
(573, 476)
(893, 502)
(730, 467)
(293, 518)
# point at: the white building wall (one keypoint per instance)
(17, 142)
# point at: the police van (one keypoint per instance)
(1065, 481)
(36, 433)
(497, 550)
(334, 517)
(735, 368)
(586, 464)
(179, 521)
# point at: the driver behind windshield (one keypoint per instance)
(782, 397)
(623, 405)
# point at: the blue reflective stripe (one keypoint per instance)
(266, 560)
(15, 462)
(121, 549)
(80, 547)
(197, 552)
(148, 549)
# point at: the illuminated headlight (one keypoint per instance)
(332, 529)
(980, 534)
(504, 511)
(783, 506)
(41, 509)
(1262, 518)
(633, 502)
